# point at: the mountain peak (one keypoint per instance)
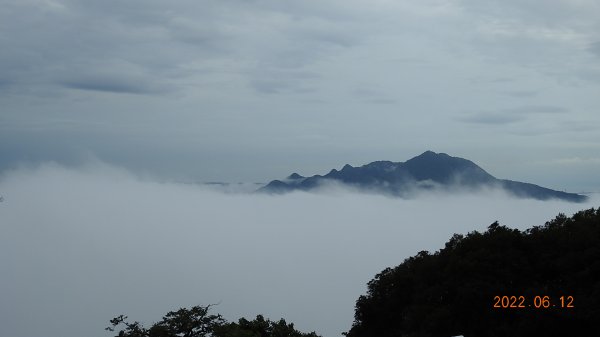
(445, 169)
(295, 176)
(430, 155)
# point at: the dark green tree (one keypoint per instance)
(451, 292)
(261, 327)
(198, 322)
(193, 322)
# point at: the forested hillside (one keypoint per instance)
(544, 281)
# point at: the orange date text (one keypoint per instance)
(536, 302)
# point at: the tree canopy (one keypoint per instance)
(453, 291)
(198, 322)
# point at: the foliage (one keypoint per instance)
(451, 292)
(197, 322)
(194, 322)
(260, 327)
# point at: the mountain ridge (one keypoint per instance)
(427, 171)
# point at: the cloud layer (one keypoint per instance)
(79, 247)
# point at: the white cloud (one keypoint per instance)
(79, 247)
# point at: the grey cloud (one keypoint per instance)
(372, 95)
(522, 93)
(536, 38)
(553, 11)
(275, 86)
(576, 129)
(502, 80)
(416, 61)
(538, 109)
(366, 91)
(324, 34)
(496, 80)
(295, 46)
(384, 101)
(511, 115)
(276, 81)
(580, 126)
(491, 118)
(165, 42)
(116, 85)
(590, 75)
(5, 83)
(595, 48)
(70, 39)
(345, 40)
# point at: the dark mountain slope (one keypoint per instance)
(427, 171)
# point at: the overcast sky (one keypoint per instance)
(254, 90)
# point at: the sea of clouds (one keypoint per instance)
(80, 246)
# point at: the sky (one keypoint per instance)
(250, 91)
(79, 246)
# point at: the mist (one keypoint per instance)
(79, 246)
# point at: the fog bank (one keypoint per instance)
(80, 246)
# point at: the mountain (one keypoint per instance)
(428, 171)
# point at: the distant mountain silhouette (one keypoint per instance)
(428, 171)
